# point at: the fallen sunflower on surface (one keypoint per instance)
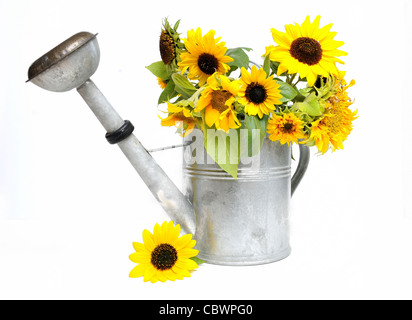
(164, 255)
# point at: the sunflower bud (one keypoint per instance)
(170, 45)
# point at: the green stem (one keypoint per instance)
(287, 79)
(290, 79)
(296, 82)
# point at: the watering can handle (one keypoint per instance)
(302, 167)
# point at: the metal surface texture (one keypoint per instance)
(68, 65)
(243, 221)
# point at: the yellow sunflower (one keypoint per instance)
(285, 128)
(217, 99)
(205, 56)
(258, 94)
(336, 124)
(181, 117)
(307, 50)
(162, 83)
(320, 134)
(164, 255)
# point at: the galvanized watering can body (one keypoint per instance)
(243, 221)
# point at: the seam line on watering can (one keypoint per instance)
(258, 175)
(246, 260)
(218, 170)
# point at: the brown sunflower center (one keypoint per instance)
(180, 117)
(208, 63)
(256, 93)
(164, 256)
(288, 127)
(167, 47)
(219, 98)
(306, 50)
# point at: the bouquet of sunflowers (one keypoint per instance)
(297, 95)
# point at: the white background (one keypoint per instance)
(71, 205)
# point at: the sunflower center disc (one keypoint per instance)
(219, 98)
(166, 46)
(164, 256)
(306, 50)
(256, 93)
(207, 63)
(287, 127)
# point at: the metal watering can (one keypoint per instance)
(243, 221)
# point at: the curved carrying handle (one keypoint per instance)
(302, 167)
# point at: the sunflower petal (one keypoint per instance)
(149, 274)
(183, 241)
(282, 68)
(188, 253)
(211, 115)
(174, 235)
(139, 247)
(187, 264)
(138, 257)
(137, 271)
(280, 38)
(157, 234)
(148, 240)
(245, 76)
(180, 272)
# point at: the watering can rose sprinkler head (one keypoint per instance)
(70, 65)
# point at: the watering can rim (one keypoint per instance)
(59, 52)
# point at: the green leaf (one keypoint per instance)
(232, 68)
(176, 25)
(311, 106)
(240, 58)
(168, 93)
(198, 260)
(159, 70)
(183, 86)
(286, 90)
(223, 148)
(266, 65)
(274, 65)
(252, 124)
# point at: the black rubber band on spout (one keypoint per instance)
(120, 134)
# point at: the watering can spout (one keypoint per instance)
(164, 190)
(70, 65)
